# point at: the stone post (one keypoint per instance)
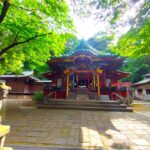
(4, 129)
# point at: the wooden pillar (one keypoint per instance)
(67, 85)
(99, 72)
(67, 72)
(98, 84)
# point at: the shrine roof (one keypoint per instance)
(83, 47)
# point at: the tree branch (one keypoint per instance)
(23, 8)
(14, 44)
(4, 10)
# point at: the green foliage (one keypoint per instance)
(38, 97)
(137, 68)
(116, 16)
(71, 44)
(47, 22)
(109, 11)
(135, 43)
(101, 42)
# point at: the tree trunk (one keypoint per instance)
(4, 10)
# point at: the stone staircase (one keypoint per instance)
(82, 99)
(82, 94)
(105, 97)
(72, 95)
(91, 105)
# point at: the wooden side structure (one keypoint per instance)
(24, 84)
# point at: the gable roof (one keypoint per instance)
(25, 74)
(22, 75)
(85, 47)
(82, 47)
(144, 81)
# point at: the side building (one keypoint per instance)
(142, 88)
(24, 84)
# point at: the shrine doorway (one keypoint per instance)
(75, 78)
(83, 80)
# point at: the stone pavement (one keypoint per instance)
(77, 129)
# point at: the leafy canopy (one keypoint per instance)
(101, 42)
(31, 31)
(137, 68)
(136, 42)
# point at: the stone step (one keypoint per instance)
(105, 97)
(82, 97)
(88, 105)
(85, 108)
(90, 102)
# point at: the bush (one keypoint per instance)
(38, 97)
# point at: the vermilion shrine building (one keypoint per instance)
(86, 71)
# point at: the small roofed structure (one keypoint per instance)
(142, 88)
(24, 83)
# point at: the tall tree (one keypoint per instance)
(137, 68)
(31, 30)
(136, 42)
(101, 42)
(109, 11)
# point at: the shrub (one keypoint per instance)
(38, 97)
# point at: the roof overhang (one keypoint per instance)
(143, 82)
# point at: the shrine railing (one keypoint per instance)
(115, 95)
(123, 100)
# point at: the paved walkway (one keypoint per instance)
(77, 129)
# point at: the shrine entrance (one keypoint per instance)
(89, 79)
(83, 80)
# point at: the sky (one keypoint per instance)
(88, 26)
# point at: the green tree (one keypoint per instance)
(108, 11)
(136, 42)
(137, 68)
(101, 42)
(71, 44)
(31, 31)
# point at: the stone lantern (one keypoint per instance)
(3, 91)
(4, 129)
